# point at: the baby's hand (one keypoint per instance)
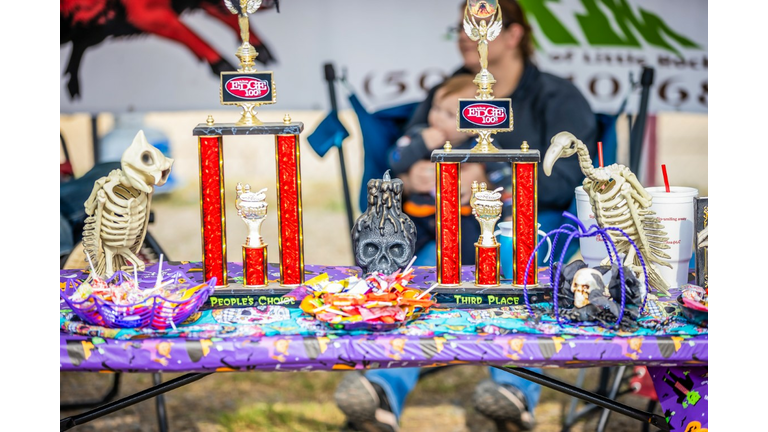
(421, 177)
(433, 138)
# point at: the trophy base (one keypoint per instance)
(265, 128)
(237, 295)
(471, 296)
(470, 156)
(255, 266)
(487, 267)
(463, 296)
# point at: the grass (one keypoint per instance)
(280, 416)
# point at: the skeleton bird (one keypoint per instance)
(118, 208)
(618, 200)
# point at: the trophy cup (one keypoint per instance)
(484, 116)
(249, 89)
(486, 208)
(252, 209)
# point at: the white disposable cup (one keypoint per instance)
(674, 210)
(592, 248)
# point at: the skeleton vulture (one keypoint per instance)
(118, 208)
(618, 200)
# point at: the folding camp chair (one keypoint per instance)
(380, 130)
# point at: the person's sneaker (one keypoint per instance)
(503, 404)
(365, 404)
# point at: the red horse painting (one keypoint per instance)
(86, 23)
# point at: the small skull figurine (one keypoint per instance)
(384, 237)
(585, 281)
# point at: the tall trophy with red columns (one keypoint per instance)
(249, 89)
(484, 116)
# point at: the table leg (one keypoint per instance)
(587, 396)
(70, 422)
(162, 418)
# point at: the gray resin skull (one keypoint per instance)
(384, 237)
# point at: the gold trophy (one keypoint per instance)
(246, 87)
(483, 32)
(486, 207)
(482, 23)
(252, 209)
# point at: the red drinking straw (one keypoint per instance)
(666, 179)
(600, 152)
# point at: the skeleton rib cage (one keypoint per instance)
(118, 222)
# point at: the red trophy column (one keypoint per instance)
(212, 208)
(255, 266)
(289, 218)
(448, 215)
(524, 215)
(487, 272)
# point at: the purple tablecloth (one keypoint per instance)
(274, 338)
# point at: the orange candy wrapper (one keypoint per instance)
(377, 302)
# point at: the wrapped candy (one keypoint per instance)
(119, 302)
(377, 302)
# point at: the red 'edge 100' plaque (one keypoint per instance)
(493, 114)
(244, 87)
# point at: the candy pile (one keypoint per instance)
(121, 290)
(119, 302)
(695, 297)
(376, 302)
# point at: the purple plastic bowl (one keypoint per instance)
(155, 311)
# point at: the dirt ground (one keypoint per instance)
(278, 401)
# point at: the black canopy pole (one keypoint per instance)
(637, 134)
(330, 77)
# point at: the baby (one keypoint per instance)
(442, 115)
(410, 160)
(419, 141)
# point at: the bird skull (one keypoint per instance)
(562, 145)
(144, 165)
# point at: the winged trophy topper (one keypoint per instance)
(243, 6)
